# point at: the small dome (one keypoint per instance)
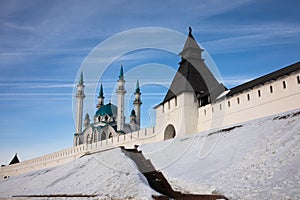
(108, 109)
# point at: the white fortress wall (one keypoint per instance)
(181, 112)
(273, 97)
(143, 136)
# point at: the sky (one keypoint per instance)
(44, 45)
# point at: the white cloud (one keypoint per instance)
(252, 36)
(18, 27)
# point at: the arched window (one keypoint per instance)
(88, 139)
(103, 136)
(95, 136)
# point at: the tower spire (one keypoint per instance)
(190, 33)
(137, 88)
(81, 78)
(101, 91)
(121, 76)
(100, 98)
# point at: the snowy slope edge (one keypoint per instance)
(258, 160)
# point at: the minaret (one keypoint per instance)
(121, 93)
(100, 98)
(86, 121)
(80, 96)
(137, 104)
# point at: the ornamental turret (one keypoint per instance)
(87, 121)
(132, 123)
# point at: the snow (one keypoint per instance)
(109, 175)
(255, 160)
(258, 160)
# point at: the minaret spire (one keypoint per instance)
(81, 78)
(121, 76)
(121, 94)
(100, 98)
(80, 96)
(137, 103)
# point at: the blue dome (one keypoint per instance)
(108, 109)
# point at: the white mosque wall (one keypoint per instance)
(273, 97)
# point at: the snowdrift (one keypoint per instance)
(255, 160)
(106, 175)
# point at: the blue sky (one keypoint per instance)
(44, 43)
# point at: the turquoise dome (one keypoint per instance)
(108, 109)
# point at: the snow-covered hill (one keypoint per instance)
(108, 175)
(255, 160)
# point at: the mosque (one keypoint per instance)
(109, 119)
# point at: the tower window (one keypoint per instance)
(212, 109)
(169, 106)
(248, 97)
(163, 108)
(259, 93)
(238, 100)
(176, 101)
(284, 84)
(298, 79)
(228, 104)
(220, 106)
(271, 89)
(204, 112)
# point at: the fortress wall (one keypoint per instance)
(273, 97)
(143, 136)
(180, 112)
(41, 162)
